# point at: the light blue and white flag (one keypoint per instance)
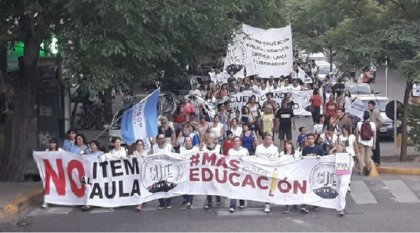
(140, 121)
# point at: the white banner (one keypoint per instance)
(262, 52)
(357, 108)
(75, 180)
(300, 98)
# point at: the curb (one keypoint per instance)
(19, 203)
(401, 171)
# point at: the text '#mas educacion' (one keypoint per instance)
(224, 170)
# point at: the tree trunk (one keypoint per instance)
(20, 136)
(404, 121)
(20, 128)
(108, 105)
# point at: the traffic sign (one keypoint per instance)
(389, 109)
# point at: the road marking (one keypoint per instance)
(361, 193)
(59, 210)
(244, 212)
(400, 191)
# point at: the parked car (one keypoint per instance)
(387, 128)
(324, 69)
(357, 89)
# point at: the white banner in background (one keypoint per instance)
(300, 98)
(262, 52)
(357, 108)
(71, 179)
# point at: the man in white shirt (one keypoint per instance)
(269, 151)
(162, 147)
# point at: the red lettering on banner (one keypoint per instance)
(59, 180)
(298, 186)
(75, 164)
(231, 175)
(194, 174)
(224, 179)
(234, 164)
(206, 171)
(259, 182)
(222, 162)
(209, 159)
(248, 181)
(284, 186)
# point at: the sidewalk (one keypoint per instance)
(15, 196)
(407, 168)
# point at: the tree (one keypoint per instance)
(103, 41)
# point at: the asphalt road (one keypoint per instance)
(385, 203)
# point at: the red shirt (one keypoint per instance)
(227, 145)
(331, 109)
(316, 100)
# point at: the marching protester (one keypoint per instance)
(267, 120)
(366, 139)
(53, 145)
(81, 147)
(285, 120)
(249, 139)
(211, 146)
(186, 150)
(267, 150)
(235, 128)
(70, 142)
(316, 103)
(343, 120)
(376, 118)
(118, 152)
(162, 147)
(168, 131)
(237, 151)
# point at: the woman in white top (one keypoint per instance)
(53, 145)
(237, 151)
(347, 100)
(288, 152)
(348, 140)
(211, 146)
(235, 128)
(139, 150)
(217, 128)
(319, 127)
(118, 152)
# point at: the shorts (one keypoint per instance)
(288, 134)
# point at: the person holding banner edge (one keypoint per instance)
(237, 151)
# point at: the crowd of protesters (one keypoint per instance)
(251, 130)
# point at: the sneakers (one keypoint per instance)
(208, 206)
(241, 207)
(349, 189)
(44, 205)
(169, 207)
(287, 210)
(231, 210)
(315, 208)
(188, 205)
(304, 210)
(267, 208)
(341, 213)
(160, 207)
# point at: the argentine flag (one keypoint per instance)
(140, 121)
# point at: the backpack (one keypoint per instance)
(366, 132)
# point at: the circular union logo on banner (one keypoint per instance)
(324, 180)
(161, 173)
